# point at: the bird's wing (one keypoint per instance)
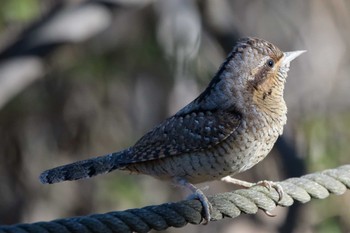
(184, 133)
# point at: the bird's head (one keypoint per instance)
(256, 70)
(264, 69)
(253, 74)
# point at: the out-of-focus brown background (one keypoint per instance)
(85, 78)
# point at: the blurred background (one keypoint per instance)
(86, 78)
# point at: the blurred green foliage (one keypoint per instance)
(327, 140)
(18, 11)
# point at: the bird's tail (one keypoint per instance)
(83, 169)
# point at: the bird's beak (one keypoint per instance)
(290, 56)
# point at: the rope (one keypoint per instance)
(231, 204)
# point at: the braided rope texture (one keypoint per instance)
(231, 204)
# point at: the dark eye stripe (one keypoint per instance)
(260, 76)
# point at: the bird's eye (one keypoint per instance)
(270, 63)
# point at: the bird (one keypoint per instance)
(230, 127)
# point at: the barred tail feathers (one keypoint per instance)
(83, 169)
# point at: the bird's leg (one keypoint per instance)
(265, 183)
(238, 182)
(196, 193)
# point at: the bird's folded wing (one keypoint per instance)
(185, 133)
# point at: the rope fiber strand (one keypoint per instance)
(231, 204)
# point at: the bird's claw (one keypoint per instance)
(198, 194)
(269, 214)
(269, 185)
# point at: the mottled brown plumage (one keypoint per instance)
(228, 129)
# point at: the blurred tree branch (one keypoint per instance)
(22, 62)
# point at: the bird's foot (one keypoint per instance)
(269, 185)
(196, 194)
(265, 183)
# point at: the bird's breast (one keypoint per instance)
(255, 139)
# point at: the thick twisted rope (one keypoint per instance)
(231, 204)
